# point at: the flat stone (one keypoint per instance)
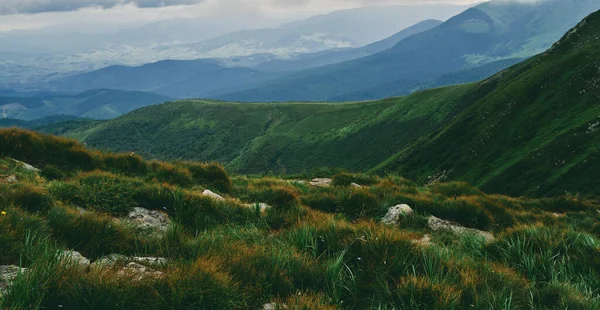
(27, 166)
(158, 261)
(439, 224)
(108, 261)
(355, 185)
(149, 220)
(321, 182)
(7, 275)
(138, 272)
(76, 258)
(396, 213)
(212, 195)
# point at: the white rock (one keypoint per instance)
(7, 275)
(11, 179)
(439, 224)
(395, 213)
(157, 261)
(273, 306)
(149, 220)
(262, 207)
(355, 185)
(138, 272)
(321, 182)
(212, 195)
(76, 258)
(27, 166)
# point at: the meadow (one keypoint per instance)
(305, 247)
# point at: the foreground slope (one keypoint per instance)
(97, 230)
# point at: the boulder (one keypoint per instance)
(212, 195)
(108, 261)
(321, 182)
(395, 213)
(76, 258)
(138, 272)
(8, 275)
(149, 220)
(439, 224)
(27, 166)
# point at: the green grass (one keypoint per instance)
(317, 248)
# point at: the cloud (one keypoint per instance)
(8, 7)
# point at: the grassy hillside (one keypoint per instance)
(531, 129)
(486, 33)
(312, 248)
(98, 104)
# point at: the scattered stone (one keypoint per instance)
(154, 261)
(439, 224)
(27, 166)
(148, 220)
(395, 213)
(424, 242)
(108, 261)
(273, 306)
(321, 182)
(212, 195)
(76, 258)
(355, 185)
(11, 179)
(7, 276)
(137, 272)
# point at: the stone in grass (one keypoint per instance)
(212, 195)
(27, 166)
(273, 306)
(395, 214)
(7, 275)
(262, 207)
(439, 224)
(355, 185)
(138, 272)
(149, 220)
(75, 258)
(111, 260)
(321, 182)
(11, 179)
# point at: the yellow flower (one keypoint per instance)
(3, 212)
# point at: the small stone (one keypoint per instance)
(76, 258)
(138, 272)
(355, 185)
(11, 179)
(321, 182)
(273, 306)
(396, 213)
(212, 195)
(439, 224)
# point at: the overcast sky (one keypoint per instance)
(23, 14)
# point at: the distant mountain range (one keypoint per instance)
(489, 32)
(97, 104)
(532, 129)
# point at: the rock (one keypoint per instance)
(27, 166)
(395, 213)
(273, 306)
(108, 261)
(424, 242)
(355, 185)
(155, 261)
(138, 272)
(212, 195)
(148, 220)
(11, 179)
(439, 224)
(76, 258)
(7, 275)
(263, 207)
(321, 182)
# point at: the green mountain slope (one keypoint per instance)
(488, 32)
(530, 129)
(98, 104)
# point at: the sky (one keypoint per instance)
(27, 14)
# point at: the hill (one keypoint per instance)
(530, 129)
(99, 230)
(98, 104)
(10, 122)
(485, 33)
